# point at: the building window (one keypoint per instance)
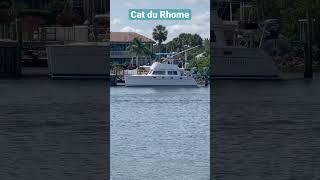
(119, 47)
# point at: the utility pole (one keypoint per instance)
(185, 60)
(19, 39)
(308, 73)
(19, 46)
(231, 13)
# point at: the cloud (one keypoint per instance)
(200, 24)
(130, 29)
(201, 18)
(197, 1)
(129, 4)
(175, 30)
(115, 21)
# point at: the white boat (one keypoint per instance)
(161, 74)
(236, 62)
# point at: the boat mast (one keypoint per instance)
(217, 25)
(184, 51)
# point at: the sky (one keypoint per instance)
(199, 24)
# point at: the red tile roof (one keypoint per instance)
(128, 37)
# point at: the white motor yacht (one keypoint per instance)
(238, 62)
(162, 74)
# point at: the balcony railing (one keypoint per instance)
(77, 33)
(120, 54)
(71, 34)
(7, 31)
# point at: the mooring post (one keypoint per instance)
(308, 73)
(19, 46)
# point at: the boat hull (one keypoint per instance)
(242, 63)
(160, 81)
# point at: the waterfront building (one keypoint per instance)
(96, 6)
(89, 8)
(34, 4)
(40, 26)
(119, 43)
(36, 14)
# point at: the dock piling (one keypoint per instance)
(308, 73)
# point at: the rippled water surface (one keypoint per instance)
(266, 130)
(53, 129)
(159, 133)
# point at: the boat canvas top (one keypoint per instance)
(145, 67)
(163, 66)
(162, 69)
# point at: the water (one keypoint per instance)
(160, 133)
(261, 130)
(266, 130)
(53, 129)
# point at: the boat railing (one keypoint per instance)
(135, 72)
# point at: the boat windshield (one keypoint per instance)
(159, 73)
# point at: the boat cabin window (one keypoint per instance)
(172, 73)
(159, 73)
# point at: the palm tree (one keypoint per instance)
(137, 48)
(160, 34)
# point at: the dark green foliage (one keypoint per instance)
(56, 6)
(289, 12)
(184, 41)
(138, 49)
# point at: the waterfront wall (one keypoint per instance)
(81, 59)
(75, 33)
(8, 59)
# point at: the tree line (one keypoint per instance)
(198, 58)
(289, 12)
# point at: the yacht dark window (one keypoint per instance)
(172, 73)
(227, 52)
(159, 73)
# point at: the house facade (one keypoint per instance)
(120, 41)
(88, 7)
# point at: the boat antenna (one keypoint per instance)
(175, 54)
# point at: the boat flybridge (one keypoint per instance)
(162, 74)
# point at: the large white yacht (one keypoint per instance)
(162, 74)
(236, 61)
